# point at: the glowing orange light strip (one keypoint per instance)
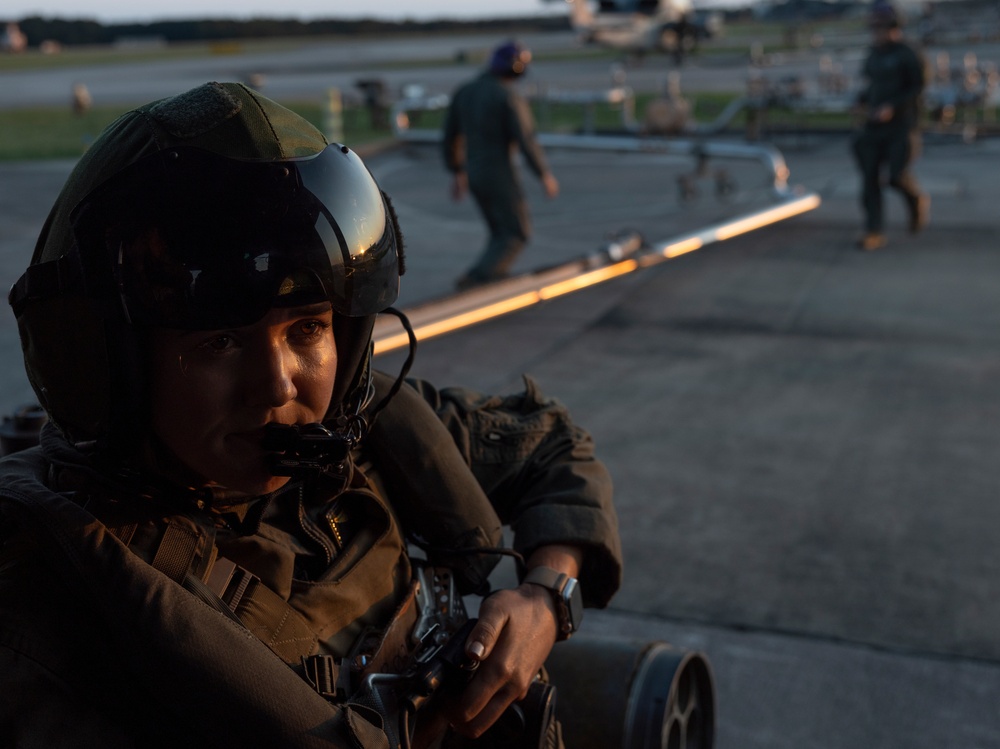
(455, 322)
(589, 278)
(778, 213)
(682, 248)
(508, 305)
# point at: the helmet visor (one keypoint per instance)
(198, 241)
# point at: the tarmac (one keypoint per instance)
(802, 436)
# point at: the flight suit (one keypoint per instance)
(486, 123)
(895, 74)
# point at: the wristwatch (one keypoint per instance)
(565, 594)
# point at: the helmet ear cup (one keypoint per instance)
(129, 404)
(67, 351)
(66, 359)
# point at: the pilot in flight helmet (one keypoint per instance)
(248, 208)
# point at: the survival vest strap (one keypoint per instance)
(242, 597)
(390, 651)
(262, 611)
(186, 658)
(180, 554)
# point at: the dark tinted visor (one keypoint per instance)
(195, 240)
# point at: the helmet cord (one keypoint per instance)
(405, 370)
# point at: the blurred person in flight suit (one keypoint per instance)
(487, 122)
(889, 104)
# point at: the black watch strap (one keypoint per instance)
(565, 594)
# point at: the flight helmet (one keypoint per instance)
(510, 60)
(883, 15)
(200, 211)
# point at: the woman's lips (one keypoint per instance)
(253, 437)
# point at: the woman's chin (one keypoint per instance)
(262, 485)
(250, 484)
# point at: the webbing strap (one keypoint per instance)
(273, 620)
(125, 532)
(268, 616)
(326, 676)
(176, 552)
(262, 611)
(235, 591)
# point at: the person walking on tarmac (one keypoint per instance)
(486, 123)
(889, 105)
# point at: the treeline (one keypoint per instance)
(77, 32)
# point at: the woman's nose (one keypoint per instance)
(273, 383)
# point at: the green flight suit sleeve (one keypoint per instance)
(453, 140)
(521, 126)
(896, 76)
(540, 472)
(910, 84)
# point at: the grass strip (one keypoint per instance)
(58, 133)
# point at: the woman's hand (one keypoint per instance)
(515, 633)
(550, 184)
(459, 186)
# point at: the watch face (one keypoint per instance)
(574, 604)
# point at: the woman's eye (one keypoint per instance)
(219, 343)
(311, 328)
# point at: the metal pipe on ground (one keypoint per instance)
(622, 256)
(699, 148)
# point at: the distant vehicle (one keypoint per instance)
(640, 26)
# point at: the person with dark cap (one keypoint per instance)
(234, 531)
(889, 140)
(487, 122)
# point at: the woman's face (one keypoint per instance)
(214, 391)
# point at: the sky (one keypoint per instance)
(116, 11)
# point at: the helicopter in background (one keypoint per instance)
(641, 26)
